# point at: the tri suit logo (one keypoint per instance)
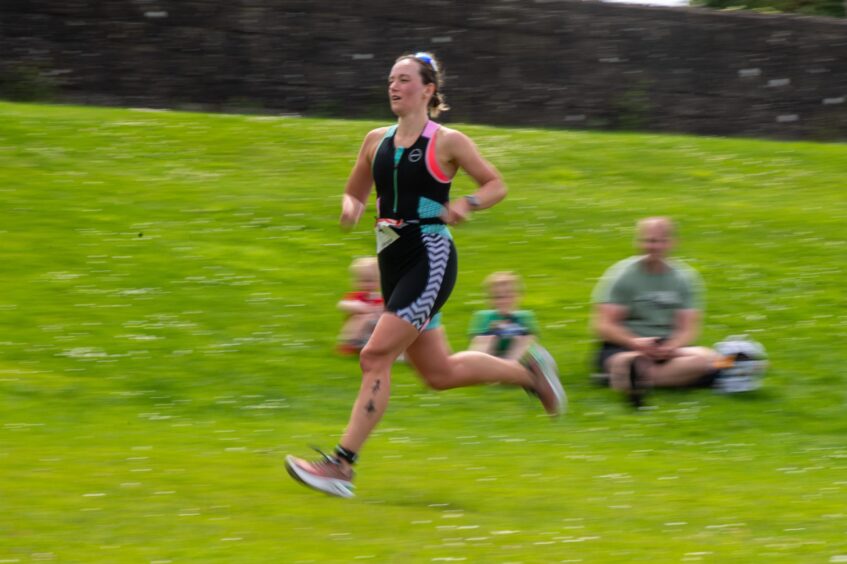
(415, 155)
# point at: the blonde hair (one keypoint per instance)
(363, 266)
(431, 73)
(503, 278)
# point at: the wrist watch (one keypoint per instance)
(473, 201)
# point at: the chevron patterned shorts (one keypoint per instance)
(417, 274)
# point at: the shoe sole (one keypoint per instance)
(550, 371)
(329, 486)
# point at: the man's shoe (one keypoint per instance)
(545, 375)
(326, 475)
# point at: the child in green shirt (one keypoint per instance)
(504, 331)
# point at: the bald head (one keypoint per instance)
(656, 225)
(655, 237)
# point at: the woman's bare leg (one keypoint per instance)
(334, 474)
(430, 355)
(391, 337)
(537, 373)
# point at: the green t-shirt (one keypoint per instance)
(492, 322)
(652, 299)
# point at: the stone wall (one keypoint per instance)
(541, 63)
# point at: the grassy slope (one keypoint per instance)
(167, 319)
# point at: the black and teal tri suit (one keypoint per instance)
(417, 258)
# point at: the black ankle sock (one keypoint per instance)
(348, 455)
(638, 372)
(637, 383)
(634, 375)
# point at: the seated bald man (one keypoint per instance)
(647, 313)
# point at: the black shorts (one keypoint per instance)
(417, 274)
(608, 350)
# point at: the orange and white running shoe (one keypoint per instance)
(327, 474)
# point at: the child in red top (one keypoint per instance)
(362, 306)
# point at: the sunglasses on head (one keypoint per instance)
(427, 59)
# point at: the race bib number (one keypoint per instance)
(385, 235)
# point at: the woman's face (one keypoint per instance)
(406, 90)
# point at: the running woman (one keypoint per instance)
(412, 164)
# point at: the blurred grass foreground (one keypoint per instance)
(167, 322)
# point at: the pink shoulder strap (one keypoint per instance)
(431, 161)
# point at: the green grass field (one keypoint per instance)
(167, 323)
